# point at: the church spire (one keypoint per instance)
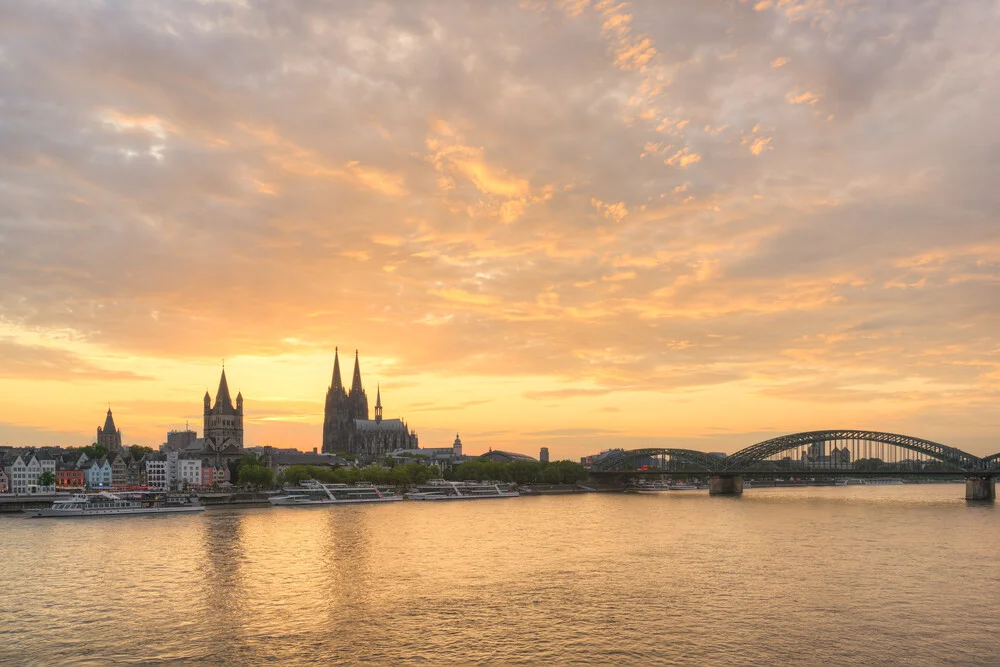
(109, 423)
(337, 382)
(222, 397)
(356, 381)
(378, 405)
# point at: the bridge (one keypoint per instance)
(835, 453)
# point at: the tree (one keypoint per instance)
(256, 476)
(47, 478)
(138, 451)
(95, 451)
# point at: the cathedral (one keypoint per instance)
(346, 426)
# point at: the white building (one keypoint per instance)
(157, 472)
(23, 473)
(97, 474)
(188, 472)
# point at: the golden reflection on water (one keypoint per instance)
(807, 576)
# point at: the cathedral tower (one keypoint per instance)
(336, 416)
(357, 398)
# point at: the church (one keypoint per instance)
(346, 426)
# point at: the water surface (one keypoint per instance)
(856, 575)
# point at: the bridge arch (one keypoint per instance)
(681, 460)
(762, 451)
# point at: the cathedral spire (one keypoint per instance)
(356, 381)
(378, 405)
(337, 382)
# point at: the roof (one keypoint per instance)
(307, 459)
(506, 457)
(384, 425)
(223, 402)
(109, 423)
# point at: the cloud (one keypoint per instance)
(785, 203)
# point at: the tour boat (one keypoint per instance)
(109, 504)
(661, 487)
(443, 490)
(316, 493)
(877, 481)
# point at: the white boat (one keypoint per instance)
(315, 493)
(661, 487)
(444, 490)
(883, 482)
(109, 504)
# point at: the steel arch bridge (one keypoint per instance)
(853, 452)
(886, 443)
(686, 461)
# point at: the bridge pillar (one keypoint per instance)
(726, 485)
(980, 488)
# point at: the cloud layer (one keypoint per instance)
(787, 207)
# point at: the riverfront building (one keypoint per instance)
(346, 426)
(23, 470)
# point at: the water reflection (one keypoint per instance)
(592, 579)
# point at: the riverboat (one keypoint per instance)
(661, 487)
(316, 493)
(883, 481)
(444, 490)
(109, 504)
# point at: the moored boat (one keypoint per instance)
(444, 490)
(109, 504)
(316, 493)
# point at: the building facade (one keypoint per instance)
(23, 470)
(109, 437)
(346, 426)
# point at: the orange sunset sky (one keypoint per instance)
(578, 224)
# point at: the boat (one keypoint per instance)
(316, 493)
(883, 481)
(444, 490)
(650, 488)
(109, 504)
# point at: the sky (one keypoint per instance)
(578, 224)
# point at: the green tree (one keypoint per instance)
(138, 451)
(95, 451)
(256, 476)
(47, 478)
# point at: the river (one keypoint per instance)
(825, 575)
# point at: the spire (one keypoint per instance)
(109, 423)
(337, 383)
(222, 397)
(356, 381)
(378, 405)
(378, 396)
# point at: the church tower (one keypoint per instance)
(337, 414)
(357, 398)
(109, 437)
(223, 421)
(378, 405)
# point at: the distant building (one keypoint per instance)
(282, 460)
(505, 457)
(543, 455)
(346, 426)
(69, 476)
(4, 483)
(109, 437)
(178, 441)
(457, 447)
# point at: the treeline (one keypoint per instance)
(520, 472)
(406, 474)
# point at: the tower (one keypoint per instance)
(378, 405)
(337, 414)
(223, 421)
(357, 398)
(456, 447)
(109, 437)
